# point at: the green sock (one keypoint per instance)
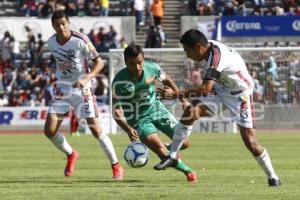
(181, 166)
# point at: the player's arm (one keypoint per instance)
(210, 78)
(205, 88)
(168, 81)
(120, 119)
(97, 67)
(91, 54)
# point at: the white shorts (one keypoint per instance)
(83, 101)
(240, 104)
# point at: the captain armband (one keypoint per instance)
(212, 74)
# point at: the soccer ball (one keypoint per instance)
(136, 154)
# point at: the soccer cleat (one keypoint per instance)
(71, 160)
(118, 172)
(274, 182)
(192, 177)
(169, 162)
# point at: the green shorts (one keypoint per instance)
(159, 117)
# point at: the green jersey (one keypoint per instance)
(137, 97)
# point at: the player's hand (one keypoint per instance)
(133, 135)
(166, 93)
(150, 80)
(81, 83)
(185, 104)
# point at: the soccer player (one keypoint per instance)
(227, 82)
(72, 51)
(136, 108)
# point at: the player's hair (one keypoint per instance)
(192, 37)
(59, 14)
(132, 51)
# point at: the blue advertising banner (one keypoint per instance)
(237, 26)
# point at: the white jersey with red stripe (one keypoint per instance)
(72, 57)
(234, 73)
(234, 88)
(71, 64)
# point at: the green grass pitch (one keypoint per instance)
(31, 168)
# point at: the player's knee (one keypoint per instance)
(49, 133)
(96, 131)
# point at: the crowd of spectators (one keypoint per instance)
(45, 8)
(243, 7)
(142, 9)
(276, 76)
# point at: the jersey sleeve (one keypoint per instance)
(215, 60)
(158, 72)
(49, 44)
(89, 50)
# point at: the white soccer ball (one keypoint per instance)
(136, 154)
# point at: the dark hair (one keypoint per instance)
(192, 37)
(59, 14)
(133, 51)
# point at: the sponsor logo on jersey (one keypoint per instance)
(71, 53)
(63, 65)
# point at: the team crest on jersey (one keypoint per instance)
(128, 87)
(71, 53)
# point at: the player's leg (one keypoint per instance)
(154, 143)
(53, 122)
(85, 104)
(242, 108)
(260, 153)
(165, 121)
(107, 146)
(182, 130)
(148, 135)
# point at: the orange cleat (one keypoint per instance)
(118, 172)
(192, 177)
(71, 160)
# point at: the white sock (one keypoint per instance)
(108, 148)
(181, 133)
(265, 162)
(61, 143)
